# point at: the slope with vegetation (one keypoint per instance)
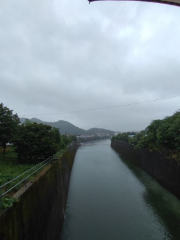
(23, 146)
(160, 135)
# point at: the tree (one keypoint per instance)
(168, 133)
(137, 137)
(8, 125)
(66, 140)
(56, 135)
(163, 135)
(36, 141)
(122, 137)
(150, 140)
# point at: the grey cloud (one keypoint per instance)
(60, 57)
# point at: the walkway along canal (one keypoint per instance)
(111, 199)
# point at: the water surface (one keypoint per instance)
(111, 199)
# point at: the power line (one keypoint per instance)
(102, 108)
(123, 105)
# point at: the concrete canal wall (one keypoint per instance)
(165, 171)
(39, 212)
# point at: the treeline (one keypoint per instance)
(30, 140)
(160, 135)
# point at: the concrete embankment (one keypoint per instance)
(165, 171)
(39, 212)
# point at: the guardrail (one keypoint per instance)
(12, 184)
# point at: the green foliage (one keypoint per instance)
(9, 153)
(8, 125)
(7, 202)
(10, 168)
(133, 140)
(56, 135)
(4, 178)
(31, 140)
(168, 133)
(66, 140)
(124, 137)
(73, 138)
(164, 135)
(137, 137)
(150, 140)
(160, 135)
(36, 141)
(130, 137)
(28, 122)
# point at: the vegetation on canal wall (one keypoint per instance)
(161, 135)
(39, 211)
(165, 170)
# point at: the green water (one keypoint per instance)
(111, 199)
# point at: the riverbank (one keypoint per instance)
(165, 171)
(39, 211)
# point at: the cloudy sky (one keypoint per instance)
(58, 57)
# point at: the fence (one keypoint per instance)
(11, 185)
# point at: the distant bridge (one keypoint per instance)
(170, 2)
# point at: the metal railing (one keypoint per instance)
(4, 190)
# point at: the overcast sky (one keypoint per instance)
(60, 56)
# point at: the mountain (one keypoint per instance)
(99, 130)
(68, 128)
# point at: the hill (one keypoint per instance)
(68, 128)
(99, 130)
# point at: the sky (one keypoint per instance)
(59, 58)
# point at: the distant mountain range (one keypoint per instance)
(68, 128)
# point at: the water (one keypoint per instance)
(111, 199)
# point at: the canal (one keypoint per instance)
(111, 199)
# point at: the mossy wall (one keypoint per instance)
(39, 212)
(166, 171)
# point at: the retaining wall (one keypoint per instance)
(165, 171)
(39, 212)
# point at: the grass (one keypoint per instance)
(11, 168)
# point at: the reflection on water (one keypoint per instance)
(165, 205)
(110, 198)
